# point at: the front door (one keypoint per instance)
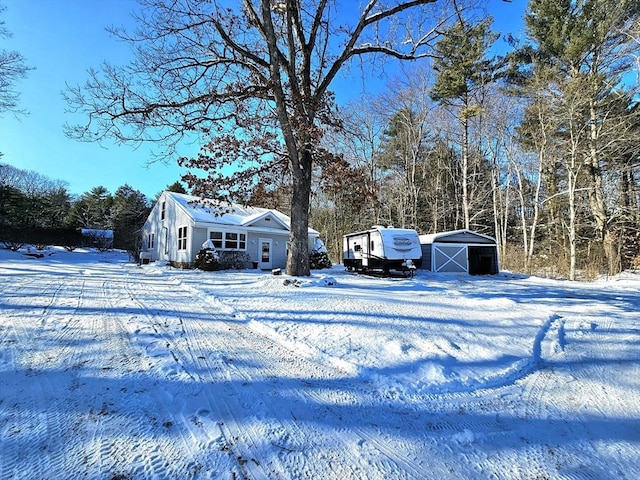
(264, 253)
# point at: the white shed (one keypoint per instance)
(460, 251)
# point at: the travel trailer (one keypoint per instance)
(382, 249)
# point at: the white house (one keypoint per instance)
(179, 224)
(460, 251)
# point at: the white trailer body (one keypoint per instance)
(382, 248)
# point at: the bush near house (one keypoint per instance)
(207, 260)
(319, 260)
(234, 260)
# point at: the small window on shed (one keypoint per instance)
(163, 210)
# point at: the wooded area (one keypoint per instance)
(36, 209)
(536, 145)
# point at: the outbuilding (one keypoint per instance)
(460, 251)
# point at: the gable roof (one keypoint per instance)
(227, 214)
(457, 236)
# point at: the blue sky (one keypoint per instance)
(62, 39)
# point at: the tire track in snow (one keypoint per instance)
(275, 362)
(202, 362)
(393, 449)
(147, 410)
(548, 395)
(382, 449)
(595, 347)
(192, 442)
(348, 462)
(35, 421)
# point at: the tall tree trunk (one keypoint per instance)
(523, 220)
(298, 258)
(596, 194)
(465, 172)
(572, 228)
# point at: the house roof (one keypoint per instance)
(457, 236)
(227, 213)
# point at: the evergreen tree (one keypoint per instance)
(92, 210)
(176, 187)
(588, 45)
(128, 213)
(463, 71)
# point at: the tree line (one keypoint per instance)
(31, 203)
(537, 147)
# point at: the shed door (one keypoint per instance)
(264, 253)
(450, 258)
(483, 260)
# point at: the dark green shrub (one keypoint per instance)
(207, 260)
(319, 260)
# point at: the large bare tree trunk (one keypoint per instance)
(596, 194)
(465, 173)
(298, 258)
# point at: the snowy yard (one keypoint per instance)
(113, 371)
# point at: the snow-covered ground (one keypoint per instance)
(113, 371)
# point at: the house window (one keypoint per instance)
(163, 210)
(235, 241)
(182, 238)
(216, 238)
(151, 240)
(229, 240)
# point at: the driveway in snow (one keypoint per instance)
(113, 371)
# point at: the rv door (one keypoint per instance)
(366, 249)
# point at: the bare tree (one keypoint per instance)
(29, 182)
(405, 149)
(12, 69)
(253, 77)
(358, 141)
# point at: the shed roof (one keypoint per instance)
(457, 236)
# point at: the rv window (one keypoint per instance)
(372, 246)
(357, 248)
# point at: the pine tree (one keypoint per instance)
(463, 70)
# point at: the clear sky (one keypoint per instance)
(62, 39)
